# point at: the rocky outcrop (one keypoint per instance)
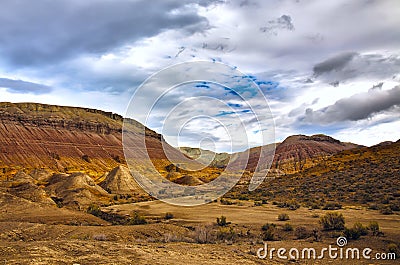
(120, 181)
(77, 190)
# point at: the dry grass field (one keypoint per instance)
(190, 234)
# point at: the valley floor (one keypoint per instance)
(174, 241)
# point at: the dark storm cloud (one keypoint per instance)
(19, 86)
(351, 65)
(334, 63)
(357, 107)
(42, 31)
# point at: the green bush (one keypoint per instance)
(283, 217)
(332, 221)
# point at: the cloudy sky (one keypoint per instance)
(328, 67)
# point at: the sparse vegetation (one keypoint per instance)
(301, 232)
(374, 228)
(332, 221)
(316, 235)
(137, 219)
(287, 227)
(94, 209)
(203, 234)
(283, 217)
(393, 248)
(355, 232)
(221, 221)
(332, 206)
(268, 231)
(168, 216)
(226, 233)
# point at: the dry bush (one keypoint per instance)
(283, 217)
(332, 221)
(100, 237)
(301, 232)
(203, 234)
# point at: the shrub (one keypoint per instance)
(137, 219)
(386, 211)
(332, 221)
(258, 203)
(168, 216)
(315, 206)
(94, 209)
(226, 202)
(226, 233)
(283, 217)
(301, 232)
(268, 231)
(351, 233)
(393, 248)
(202, 234)
(332, 206)
(373, 206)
(374, 228)
(86, 158)
(360, 229)
(355, 232)
(394, 207)
(287, 227)
(316, 235)
(221, 221)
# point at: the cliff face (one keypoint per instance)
(66, 139)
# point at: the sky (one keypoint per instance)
(329, 67)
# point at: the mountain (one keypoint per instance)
(300, 151)
(69, 139)
(292, 155)
(366, 176)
